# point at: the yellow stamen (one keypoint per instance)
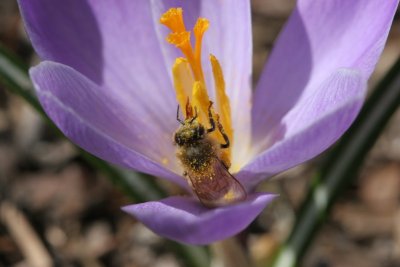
(183, 81)
(223, 104)
(201, 101)
(191, 91)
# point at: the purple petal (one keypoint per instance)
(316, 122)
(320, 37)
(185, 220)
(98, 121)
(229, 38)
(124, 49)
(113, 44)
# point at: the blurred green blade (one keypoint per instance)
(341, 167)
(138, 187)
(15, 76)
(193, 256)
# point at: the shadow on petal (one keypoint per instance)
(283, 80)
(185, 220)
(66, 32)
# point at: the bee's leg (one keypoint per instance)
(222, 131)
(212, 123)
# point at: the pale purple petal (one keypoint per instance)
(95, 119)
(310, 127)
(320, 37)
(185, 220)
(229, 38)
(113, 44)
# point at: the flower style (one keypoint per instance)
(106, 82)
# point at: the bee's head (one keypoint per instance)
(190, 132)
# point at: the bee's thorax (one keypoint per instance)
(189, 133)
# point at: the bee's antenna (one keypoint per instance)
(195, 115)
(177, 116)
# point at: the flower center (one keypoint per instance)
(189, 82)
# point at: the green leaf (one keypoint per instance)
(341, 167)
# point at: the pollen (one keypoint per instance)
(230, 195)
(192, 93)
(165, 161)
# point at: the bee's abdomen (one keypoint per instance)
(197, 157)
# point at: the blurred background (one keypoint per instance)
(57, 210)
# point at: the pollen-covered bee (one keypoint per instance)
(200, 156)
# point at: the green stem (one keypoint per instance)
(229, 252)
(341, 167)
(137, 186)
(193, 256)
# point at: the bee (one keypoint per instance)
(199, 155)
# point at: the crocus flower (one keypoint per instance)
(106, 82)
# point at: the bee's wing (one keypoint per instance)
(216, 186)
